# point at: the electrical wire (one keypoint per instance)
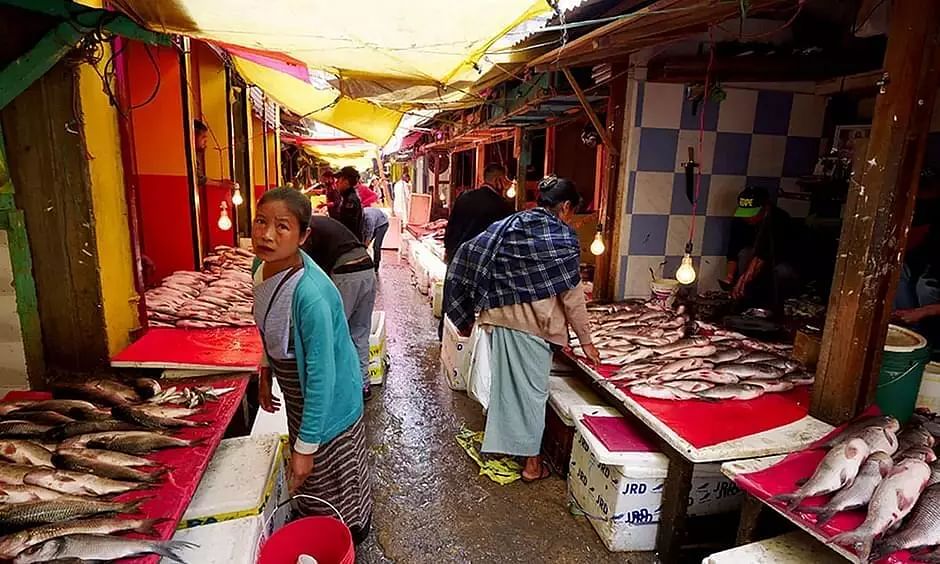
(701, 142)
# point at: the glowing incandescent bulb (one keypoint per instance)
(597, 246)
(237, 199)
(225, 222)
(686, 272)
(511, 193)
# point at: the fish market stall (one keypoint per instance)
(222, 349)
(148, 455)
(866, 490)
(708, 394)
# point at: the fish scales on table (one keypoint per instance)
(88, 548)
(14, 544)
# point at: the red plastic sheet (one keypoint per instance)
(782, 478)
(238, 348)
(185, 466)
(705, 423)
(617, 435)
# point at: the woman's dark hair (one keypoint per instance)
(350, 174)
(297, 204)
(554, 191)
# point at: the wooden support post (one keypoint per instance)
(185, 62)
(479, 164)
(751, 509)
(675, 508)
(608, 211)
(522, 150)
(878, 215)
(591, 114)
(550, 137)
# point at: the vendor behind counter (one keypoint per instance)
(763, 252)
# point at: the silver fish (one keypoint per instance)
(83, 547)
(752, 371)
(879, 439)
(97, 467)
(14, 473)
(706, 374)
(853, 428)
(921, 530)
(915, 436)
(12, 545)
(687, 352)
(872, 472)
(144, 419)
(655, 391)
(15, 428)
(128, 442)
(741, 391)
(10, 493)
(108, 456)
(835, 471)
(682, 344)
(892, 500)
(685, 364)
(726, 355)
(925, 454)
(758, 357)
(25, 452)
(691, 386)
(23, 515)
(801, 378)
(78, 483)
(774, 386)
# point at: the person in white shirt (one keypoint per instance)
(402, 193)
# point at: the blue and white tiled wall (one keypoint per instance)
(760, 137)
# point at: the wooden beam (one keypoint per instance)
(551, 136)
(591, 114)
(609, 213)
(16, 77)
(90, 18)
(522, 150)
(479, 163)
(878, 216)
(855, 82)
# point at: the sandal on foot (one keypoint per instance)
(544, 472)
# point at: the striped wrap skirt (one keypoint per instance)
(341, 472)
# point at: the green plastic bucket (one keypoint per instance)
(906, 355)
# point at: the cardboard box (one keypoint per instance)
(235, 541)
(378, 349)
(621, 492)
(454, 349)
(246, 479)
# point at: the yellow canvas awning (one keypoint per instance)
(358, 118)
(427, 42)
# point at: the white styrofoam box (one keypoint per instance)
(792, 548)
(407, 240)
(437, 298)
(622, 491)
(228, 542)
(378, 349)
(929, 394)
(267, 423)
(566, 393)
(246, 479)
(454, 349)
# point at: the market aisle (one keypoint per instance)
(430, 504)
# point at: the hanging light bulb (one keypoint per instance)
(225, 222)
(685, 274)
(597, 246)
(511, 193)
(237, 199)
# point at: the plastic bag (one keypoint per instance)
(481, 377)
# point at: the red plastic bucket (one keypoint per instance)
(325, 538)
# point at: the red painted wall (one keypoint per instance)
(165, 220)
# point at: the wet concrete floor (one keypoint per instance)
(430, 504)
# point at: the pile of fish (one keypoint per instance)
(63, 461)
(219, 297)
(662, 354)
(891, 474)
(433, 230)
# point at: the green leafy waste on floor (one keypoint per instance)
(501, 470)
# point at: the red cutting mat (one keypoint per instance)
(705, 423)
(782, 477)
(185, 466)
(237, 348)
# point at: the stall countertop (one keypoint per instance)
(780, 440)
(225, 349)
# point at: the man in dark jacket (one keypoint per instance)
(349, 210)
(476, 210)
(473, 212)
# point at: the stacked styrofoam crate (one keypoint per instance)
(454, 349)
(621, 491)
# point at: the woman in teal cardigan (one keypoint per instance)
(309, 350)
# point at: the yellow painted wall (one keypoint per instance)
(257, 152)
(211, 75)
(113, 253)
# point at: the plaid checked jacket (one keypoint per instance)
(529, 256)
